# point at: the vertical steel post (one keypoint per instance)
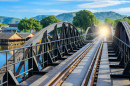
(30, 62)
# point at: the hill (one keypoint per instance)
(111, 15)
(39, 17)
(7, 20)
(66, 16)
(100, 15)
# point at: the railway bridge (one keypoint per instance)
(68, 58)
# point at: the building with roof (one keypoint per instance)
(26, 36)
(3, 27)
(13, 25)
(10, 29)
(10, 38)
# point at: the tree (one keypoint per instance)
(99, 22)
(3, 25)
(114, 22)
(84, 19)
(10, 23)
(109, 21)
(26, 25)
(128, 17)
(49, 20)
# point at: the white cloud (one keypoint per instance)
(89, 0)
(99, 4)
(122, 10)
(78, 0)
(39, 10)
(9, 0)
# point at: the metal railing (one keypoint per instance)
(123, 53)
(33, 61)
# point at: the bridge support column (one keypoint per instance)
(64, 49)
(32, 63)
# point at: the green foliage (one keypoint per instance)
(128, 17)
(69, 16)
(114, 22)
(65, 17)
(3, 25)
(109, 21)
(49, 20)
(99, 22)
(25, 30)
(10, 23)
(29, 24)
(84, 19)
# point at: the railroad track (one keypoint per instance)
(90, 75)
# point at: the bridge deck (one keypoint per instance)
(77, 76)
(116, 81)
(43, 79)
(104, 70)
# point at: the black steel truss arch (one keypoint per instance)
(42, 54)
(123, 31)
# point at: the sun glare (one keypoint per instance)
(103, 31)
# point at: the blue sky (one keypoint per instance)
(31, 8)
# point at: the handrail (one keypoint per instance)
(123, 53)
(122, 41)
(36, 44)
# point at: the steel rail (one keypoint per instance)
(89, 77)
(60, 77)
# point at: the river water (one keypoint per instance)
(9, 54)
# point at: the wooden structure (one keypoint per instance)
(26, 36)
(10, 38)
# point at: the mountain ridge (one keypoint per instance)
(65, 17)
(6, 20)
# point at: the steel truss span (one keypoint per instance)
(41, 54)
(122, 32)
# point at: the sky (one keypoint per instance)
(31, 8)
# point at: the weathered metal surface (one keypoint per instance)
(104, 70)
(123, 31)
(83, 68)
(29, 50)
(45, 78)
